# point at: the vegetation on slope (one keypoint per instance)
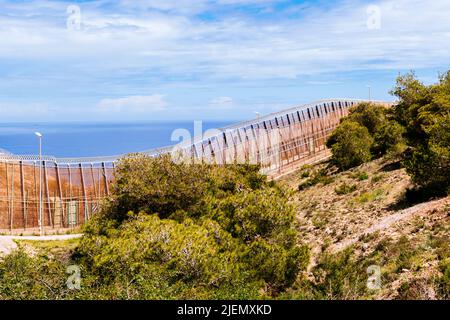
(420, 120)
(172, 231)
(177, 231)
(361, 217)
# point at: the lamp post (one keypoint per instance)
(39, 135)
(370, 92)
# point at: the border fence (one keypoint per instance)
(72, 189)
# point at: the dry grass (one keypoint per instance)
(363, 207)
(334, 213)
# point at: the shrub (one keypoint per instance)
(377, 178)
(316, 177)
(24, 277)
(389, 139)
(361, 176)
(336, 276)
(305, 174)
(320, 219)
(442, 246)
(443, 282)
(278, 267)
(424, 111)
(305, 171)
(412, 96)
(369, 115)
(252, 215)
(429, 164)
(374, 195)
(156, 185)
(345, 189)
(234, 239)
(182, 256)
(350, 144)
(231, 239)
(416, 289)
(404, 253)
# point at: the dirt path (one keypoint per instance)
(7, 243)
(389, 221)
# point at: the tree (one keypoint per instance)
(429, 163)
(425, 113)
(155, 185)
(196, 231)
(412, 96)
(370, 115)
(389, 139)
(350, 144)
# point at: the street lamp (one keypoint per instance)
(39, 135)
(370, 93)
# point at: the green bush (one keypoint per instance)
(443, 282)
(231, 239)
(370, 196)
(316, 177)
(377, 178)
(182, 257)
(418, 123)
(350, 144)
(361, 176)
(23, 277)
(389, 139)
(155, 185)
(412, 96)
(424, 111)
(158, 185)
(353, 146)
(336, 276)
(305, 174)
(442, 246)
(279, 268)
(369, 115)
(345, 189)
(429, 164)
(258, 214)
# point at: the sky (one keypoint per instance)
(129, 60)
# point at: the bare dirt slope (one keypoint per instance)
(330, 215)
(365, 208)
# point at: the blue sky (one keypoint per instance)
(208, 59)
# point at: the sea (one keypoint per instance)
(93, 139)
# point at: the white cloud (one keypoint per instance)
(133, 104)
(413, 34)
(222, 102)
(128, 46)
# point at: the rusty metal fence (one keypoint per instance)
(73, 189)
(70, 193)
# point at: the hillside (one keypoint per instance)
(366, 209)
(350, 220)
